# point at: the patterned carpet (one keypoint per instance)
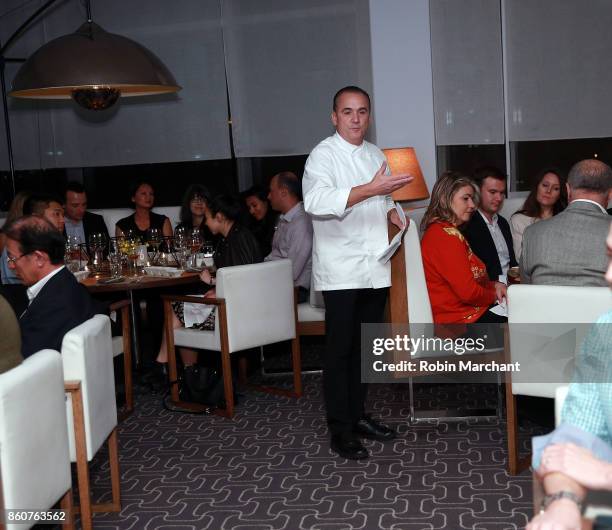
(271, 468)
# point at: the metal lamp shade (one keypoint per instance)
(92, 58)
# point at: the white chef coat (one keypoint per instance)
(346, 241)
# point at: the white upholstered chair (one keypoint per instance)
(543, 338)
(34, 457)
(91, 407)
(311, 314)
(255, 307)
(420, 323)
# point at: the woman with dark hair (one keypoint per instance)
(548, 197)
(263, 217)
(459, 288)
(193, 210)
(143, 218)
(237, 246)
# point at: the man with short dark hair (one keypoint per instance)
(293, 236)
(487, 232)
(57, 302)
(78, 221)
(347, 192)
(45, 205)
(567, 248)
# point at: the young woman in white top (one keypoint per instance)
(548, 197)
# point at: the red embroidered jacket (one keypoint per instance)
(459, 288)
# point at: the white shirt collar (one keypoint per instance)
(486, 220)
(592, 202)
(33, 290)
(347, 146)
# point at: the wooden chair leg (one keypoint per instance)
(228, 386)
(113, 458)
(296, 361)
(172, 372)
(67, 504)
(512, 430)
(81, 459)
(243, 366)
(127, 359)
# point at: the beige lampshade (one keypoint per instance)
(404, 160)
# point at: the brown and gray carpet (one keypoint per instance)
(270, 468)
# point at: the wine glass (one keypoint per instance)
(115, 258)
(154, 239)
(132, 253)
(209, 260)
(195, 242)
(181, 245)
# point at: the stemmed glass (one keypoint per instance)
(195, 242)
(115, 258)
(181, 245)
(154, 240)
(209, 261)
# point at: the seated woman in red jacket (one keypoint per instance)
(459, 288)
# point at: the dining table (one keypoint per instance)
(103, 284)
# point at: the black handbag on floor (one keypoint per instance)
(202, 384)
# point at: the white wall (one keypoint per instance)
(401, 68)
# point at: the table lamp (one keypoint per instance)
(404, 160)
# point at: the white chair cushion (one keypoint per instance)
(193, 338)
(33, 434)
(86, 355)
(117, 345)
(308, 313)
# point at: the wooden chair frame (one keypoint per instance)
(516, 464)
(124, 307)
(86, 508)
(226, 364)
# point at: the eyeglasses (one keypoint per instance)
(13, 260)
(198, 199)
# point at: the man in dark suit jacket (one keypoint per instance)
(57, 302)
(488, 233)
(78, 221)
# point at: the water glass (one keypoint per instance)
(115, 262)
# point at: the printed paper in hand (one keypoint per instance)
(397, 240)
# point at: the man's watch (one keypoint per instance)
(570, 495)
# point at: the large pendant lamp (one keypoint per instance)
(94, 67)
(91, 66)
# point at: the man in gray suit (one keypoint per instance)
(567, 249)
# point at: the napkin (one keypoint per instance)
(196, 313)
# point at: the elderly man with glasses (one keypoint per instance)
(57, 302)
